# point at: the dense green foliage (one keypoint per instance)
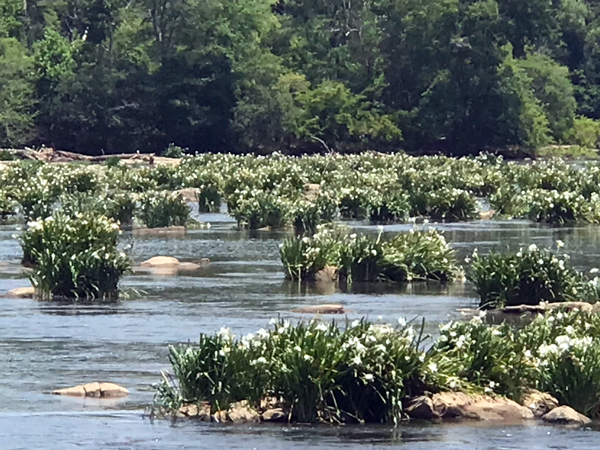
(74, 256)
(366, 372)
(320, 75)
(416, 255)
(528, 277)
(285, 192)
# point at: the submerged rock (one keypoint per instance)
(567, 416)
(321, 309)
(98, 390)
(21, 292)
(540, 403)
(457, 405)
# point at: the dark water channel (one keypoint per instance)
(45, 346)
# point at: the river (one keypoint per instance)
(45, 346)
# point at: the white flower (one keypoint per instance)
(532, 248)
(225, 333)
(432, 367)
(560, 243)
(402, 321)
(321, 327)
(356, 360)
(273, 321)
(594, 270)
(355, 323)
(369, 377)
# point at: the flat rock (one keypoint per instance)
(570, 306)
(98, 390)
(540, 403)
(457, 405)
(321, 309)
(567, 416)
(166, 231)
(160, 262)
(21, 292)
(188, 266)
(523, 309)
(274, 415)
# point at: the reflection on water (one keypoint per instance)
(44, 346)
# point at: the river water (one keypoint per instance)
(45, 346)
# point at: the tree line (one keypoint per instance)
(455, 76)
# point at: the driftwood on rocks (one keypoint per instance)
(51, 155)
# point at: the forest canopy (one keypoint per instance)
(456, 76)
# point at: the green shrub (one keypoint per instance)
(319, 372)
(74, 257)
(119, 206)
(306, 215)
(559, 208)
(528, 277)
(451, 205)
(585, 133)
(391, 206)
(565, 349)
(474, 357)
(417, 255)
(174, 151)
(260, 210)
(163, 209)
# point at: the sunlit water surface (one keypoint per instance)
(44, 346)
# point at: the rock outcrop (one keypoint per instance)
(98, 390)
(321, 309)
(274, 415)
(167, 265)
(567, 416)
(21, 292)
(460, 406)
(540, 403)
